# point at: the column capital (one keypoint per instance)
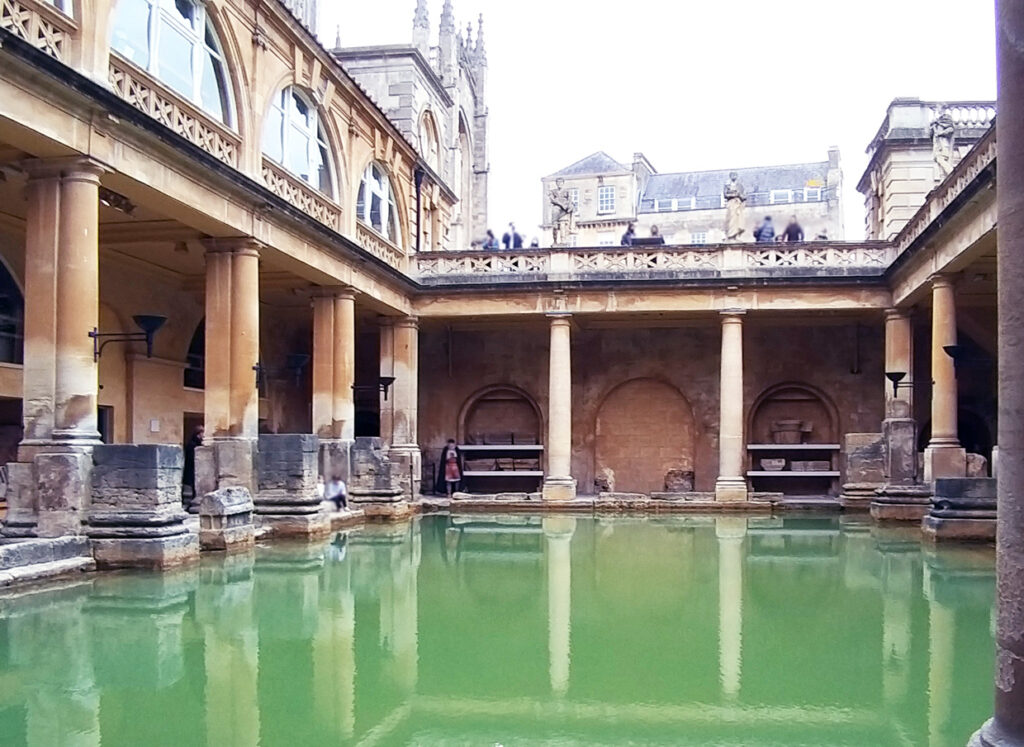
(941, 280)
(408, 322)
(559, 317)
(894, 314)
(733, 316)
(335, 291)
(233, 245)
(71, 167)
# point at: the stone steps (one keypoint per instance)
(22, 561)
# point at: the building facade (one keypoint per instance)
(267, 211)
(688, 207)
(435, 95)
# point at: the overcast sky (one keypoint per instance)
(695, 84)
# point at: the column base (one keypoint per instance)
(384, 513)
(294, 526)
(224, 463)
(153, 554)
(558, 489)
(858, 496)
(992, 735)
(407, 468)
(731, 490)
(944, 461)
(901, 503)
(963, 509)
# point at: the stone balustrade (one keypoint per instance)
(379, 247)
(147, 94)
(296, 192)
(40, 24)
(653, 263)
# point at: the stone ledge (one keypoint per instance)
(44, 571)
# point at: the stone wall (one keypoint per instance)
(651, 378)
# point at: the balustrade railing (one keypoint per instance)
(146, 94)
(379, 247)
(40, 24)
(296, 192)
(655, 262)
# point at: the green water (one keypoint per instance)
(515, 631)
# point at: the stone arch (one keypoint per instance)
(430, 140)
(404, 240)
(795, 401)
(644, 429)
(194, 375)
(238, 76)
(463, 173)
(518, 412)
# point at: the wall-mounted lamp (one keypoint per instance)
(897, 379)
(383, 386)
(961, 358)
(295, 364)
(148, 323)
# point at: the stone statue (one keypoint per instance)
(943, 145)
(735, 207)
(562, 214)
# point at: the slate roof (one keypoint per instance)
(754, 179)
(595, 163)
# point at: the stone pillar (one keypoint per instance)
(559, 484)
(231, 400)
(899, 356)
(49, 485)
(1007, 727)
(405, 451)
(286, 499)
(944, 457)
(731, 484)
(558, 532)
(730, 532)
(334, 350)
(387, 369)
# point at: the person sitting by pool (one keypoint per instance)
(335, 491)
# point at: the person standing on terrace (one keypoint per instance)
(793, 230)
(627, 237)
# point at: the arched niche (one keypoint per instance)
(501, 414)
(794, 401)
(644, 432)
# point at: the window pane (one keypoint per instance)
(296, 157)
(361, 201)
(175, 60)
(130, 36)
(324, 181)
(375, 210)
(213, 93)
(272, 143)
(298, 113)
(186, 11)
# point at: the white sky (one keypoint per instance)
(695, 84)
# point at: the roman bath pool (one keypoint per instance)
(487, 630)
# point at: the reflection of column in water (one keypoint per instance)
(224, 609)
(50, 645)
(941, 631)
(730, 532)
(399, 620)
(896, 597)
(559, 531)
(334, 666)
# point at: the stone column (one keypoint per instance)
(345, 365)
(323, 365)
(405, 451)
(730, 532)
(559, 484)
(558, 532)
(1007, 727)
(731, 484)
(78, 293)
(899, 346)
(944, 457)
(387, 369)
(231, 400)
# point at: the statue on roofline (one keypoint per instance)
(943, 144)
(735, 206)
(562, 214)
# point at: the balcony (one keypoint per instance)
(40, 24)
(710, 262)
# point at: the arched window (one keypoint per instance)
(174, 41)
(12, 319)
(61, 5)
(294, 137)
(430, 147)
(376, 204)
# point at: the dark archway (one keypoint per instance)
(12, 319)
(195, 359)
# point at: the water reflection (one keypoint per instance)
(490, 629)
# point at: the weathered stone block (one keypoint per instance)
(225, 520)
(62, 490)
(371, 473)
(224, 463)
(679, 481)
(977, 465)
(865, 457)
(155, 554)
(22, 503)
(901, 456)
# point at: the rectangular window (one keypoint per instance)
(780, 196)
(699, 237)
(574, 195)
(812, 194)
(605, 200)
